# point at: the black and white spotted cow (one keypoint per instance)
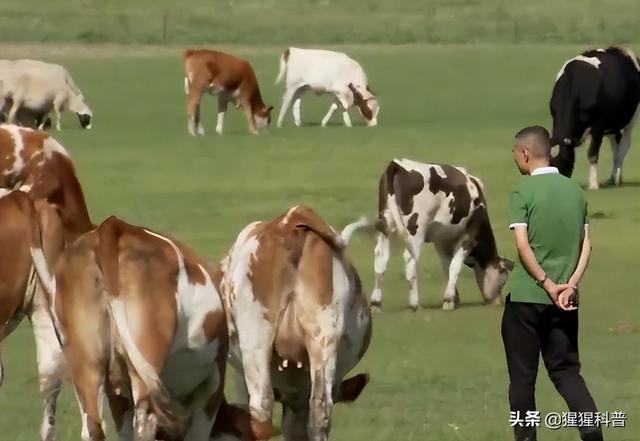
(595, 93)
(444, 205)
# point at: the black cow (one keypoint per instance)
(595, 93)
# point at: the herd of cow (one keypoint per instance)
(139, 319)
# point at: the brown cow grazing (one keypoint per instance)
(29, 231)
(232, 79)
(298, 320)
(37, 162)
(140, 320)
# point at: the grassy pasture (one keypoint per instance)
(435, 375)
(284, 22)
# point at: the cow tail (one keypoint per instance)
(363, 222)
(168, 412)
(284, 59)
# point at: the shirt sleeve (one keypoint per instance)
(518, 215)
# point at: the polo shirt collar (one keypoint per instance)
(544, 171)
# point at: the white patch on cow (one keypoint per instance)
(190, 350)
(18, 147)
(595, 62)
(52, 146)
(4, 192)
(439, 171)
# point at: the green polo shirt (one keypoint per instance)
(554, 210)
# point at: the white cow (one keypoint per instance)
(326, 72)
(41, 88)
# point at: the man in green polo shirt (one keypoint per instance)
(548, 214)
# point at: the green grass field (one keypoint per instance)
(435, 375)
(286, 22)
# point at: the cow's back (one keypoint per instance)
(315, 67)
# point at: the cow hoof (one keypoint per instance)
(376, 306)
(414, 308)
(448, 305)
(497, 301)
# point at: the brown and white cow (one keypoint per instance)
(33, 160)
(232, 79)
(298, 320)
(444, 205)
(141, 321)
(30, 230)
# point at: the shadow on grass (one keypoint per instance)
(432, 307)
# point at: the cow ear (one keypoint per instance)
(350, 389)
(269, 109)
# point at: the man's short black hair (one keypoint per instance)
(536, 139)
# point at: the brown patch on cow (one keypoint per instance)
(17, 219)
(404, 184)
(454, 184)
(229, 74)
(316, 269)
(52, 178)
(359, 101)
(485, 251)
(412, 224)
(214, 325)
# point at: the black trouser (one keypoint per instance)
(529, 329)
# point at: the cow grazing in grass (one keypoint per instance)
(595, 93)
(31, 231)
(140, 320)
(444, 205)
(232, 79)
(298, 320)
(41, 88)
(35, 161)
(329, 72)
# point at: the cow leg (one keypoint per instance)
(194, 126)
(145, 422)
(256, 350)
(380, 262)
(411, 274)
(294, 423)
(57, 105)
(344, 102)
(327, 117)
(322, 358)
(451, 261)
(594, 153)
(50, 367)
(248, 114)
(620, 150)
(297, 119)
(223, 103)
(87, 381)
(11, 117)
(286, 103)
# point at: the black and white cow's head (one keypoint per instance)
(574, 107)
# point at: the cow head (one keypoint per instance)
(235, 423)
(491, 278)
(262, 117)
(366, 102)
(573, 107)
(81, 108)
(295, 418)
